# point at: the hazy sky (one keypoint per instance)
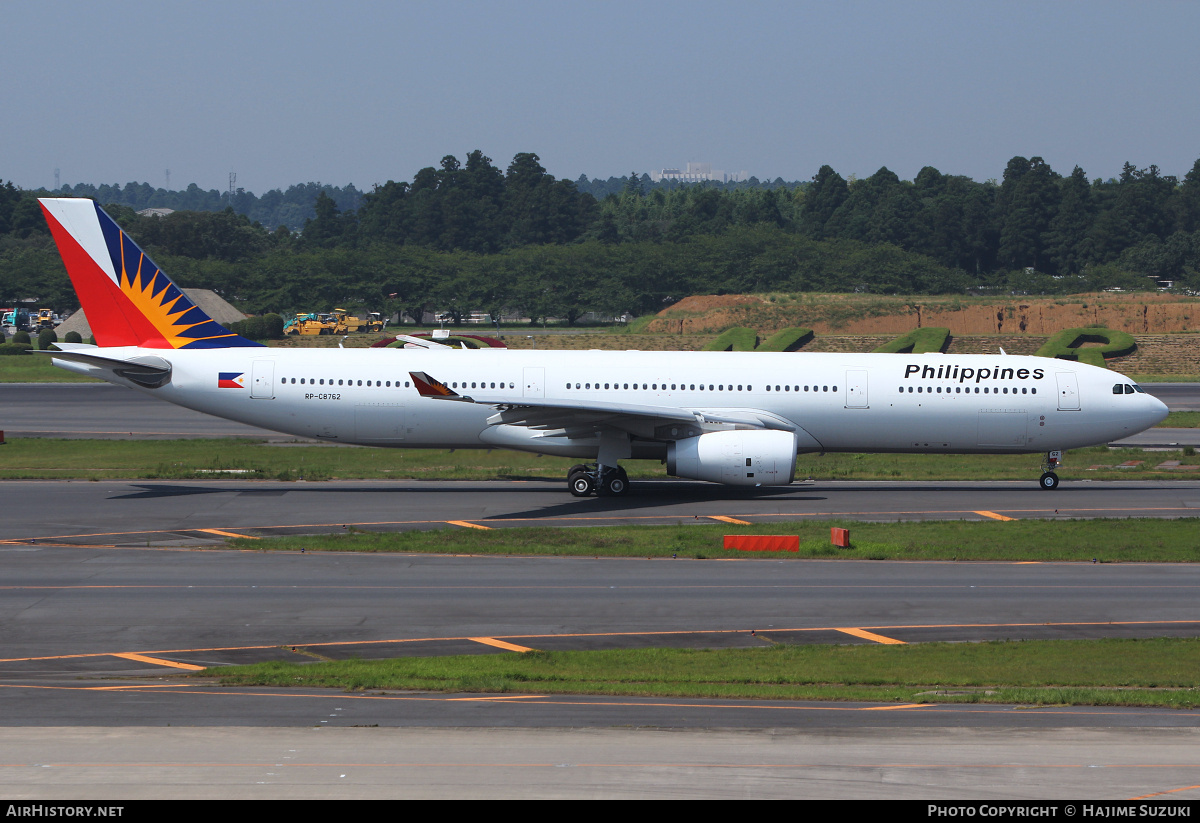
(364, 92)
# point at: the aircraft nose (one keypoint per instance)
(1156, 411)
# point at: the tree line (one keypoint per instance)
(468, 236)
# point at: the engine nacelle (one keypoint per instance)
(736, 458)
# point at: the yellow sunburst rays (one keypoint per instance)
(156, 309)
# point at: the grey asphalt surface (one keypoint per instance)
(95, 708)
(178, 513)
(83, 722)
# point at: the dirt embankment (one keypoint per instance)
(862, 314)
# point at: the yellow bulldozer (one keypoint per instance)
(349, 324)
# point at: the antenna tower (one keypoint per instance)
(168, 176)
(232, 182)
(57, 184)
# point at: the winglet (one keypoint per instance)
(432, 387)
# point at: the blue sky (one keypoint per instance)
(364, 92)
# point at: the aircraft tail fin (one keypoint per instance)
(126, 297)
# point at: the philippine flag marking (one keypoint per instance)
(231, 380)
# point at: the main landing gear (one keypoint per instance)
(585, 480)
(1049, 479)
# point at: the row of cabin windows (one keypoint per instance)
(697, 387)
(959, 390)
(674, 386)
(480, 385)
(313, 381)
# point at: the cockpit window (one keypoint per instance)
(1128, 389)
(1117, 389)
(1138, 389)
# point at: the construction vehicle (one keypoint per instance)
(311, 324)
(16, 319)
(44, 319)
(349, 324)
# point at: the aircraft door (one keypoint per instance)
(1068, 391)
(262, 381)
(534, 382)
(856, 389)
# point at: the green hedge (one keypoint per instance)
(46, 338)
(13, 349)
(21, 337)
(73, 337)
(738, 338)
(1065, 345)
(790, 339)
(918, 341)
(262, 327)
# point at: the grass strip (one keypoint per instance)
(1154, 672)
(1146, 540)
(37, 368)
(34, 458)
(1181, 420)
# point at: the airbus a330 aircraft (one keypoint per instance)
(727, 417)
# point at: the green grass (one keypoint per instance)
(37, 368)
(1159, 377)
(1181, 420)
(1156, 672)
(1108, 541)
(33, 458)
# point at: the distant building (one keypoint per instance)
(698, 173)
(156, 212)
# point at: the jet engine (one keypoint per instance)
(736, 458)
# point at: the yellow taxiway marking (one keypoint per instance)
(141, 658)
(878, 638)
(725, 519)
(465, 524)
(500, 644)
(229, 534)
(995, 516)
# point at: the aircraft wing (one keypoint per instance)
(580, 415)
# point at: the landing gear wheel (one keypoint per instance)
(1049, 481)
(580, 482)
(616, 483)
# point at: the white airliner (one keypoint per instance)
(726, 417)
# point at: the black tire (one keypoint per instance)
(1049, 481)
(580, 483)
(616, 483)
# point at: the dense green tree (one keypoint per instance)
(1027, 201)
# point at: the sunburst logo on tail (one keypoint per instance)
(127, 298)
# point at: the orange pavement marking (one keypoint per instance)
(878, 638)
(855, 631)
(229, 534)
(465, 524)
(893, 708)
(500, 644)
(1168, 791)
(995, 516)
(141, 658)
(725, 519)
(501, 697)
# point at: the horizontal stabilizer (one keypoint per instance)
(147, 371)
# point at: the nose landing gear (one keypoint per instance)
(1049, 479)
